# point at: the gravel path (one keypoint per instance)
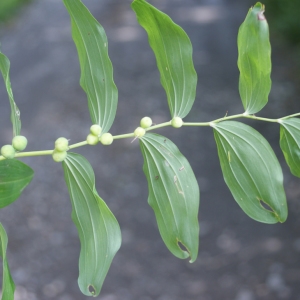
(239, 259)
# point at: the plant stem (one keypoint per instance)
(195, 124)
(159, 126)
(290, 116)
(261, 119)
(228, 118)
(239, 116)
(123, 136)
(31, 153)
(78, 145)
(34, 153)
(215, 121)
(130, 135)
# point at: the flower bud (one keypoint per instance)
(106, 139)
(146, 122)
(61, 144)
(19, 142)
(8, 151)
(176, 122)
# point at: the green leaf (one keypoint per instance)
(8, 286)
(173, 52)
(290, 143)
(14, 177)
(98, 229)
(96, 68)
(15, 112)
(251, 171)
(173, 195)
(254, 60)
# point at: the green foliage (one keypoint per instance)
(8, 286)
(98, 229)
(173, 52)
(290, 143)
(15, 113)
(254, 60)
(251, 171)
(173, 194)
(249, 165)
(14, 177)
(96, 68)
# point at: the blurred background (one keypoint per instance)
(239, 259)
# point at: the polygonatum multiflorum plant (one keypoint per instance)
(249, 165)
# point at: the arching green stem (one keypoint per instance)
(131, 135)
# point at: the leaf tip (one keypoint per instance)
(186, 252)
(260, 9)
(280, 217)
(92, 290)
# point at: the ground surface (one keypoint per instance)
(239, 259)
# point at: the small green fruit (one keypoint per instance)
(61, 144)
(92, 139)
(106, 139)
(59, 156)
(146, 122)
(176, 122)
(19, 142)
(95, 130)
(139, 132)
(8, 151)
